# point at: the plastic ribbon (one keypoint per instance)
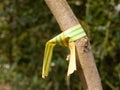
(66, 38)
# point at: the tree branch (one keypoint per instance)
(85, 61)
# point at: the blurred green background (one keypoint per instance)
(25, 27)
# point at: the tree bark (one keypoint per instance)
(85, 61)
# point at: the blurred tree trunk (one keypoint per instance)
(85, 61)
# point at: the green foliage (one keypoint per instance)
(25, 26)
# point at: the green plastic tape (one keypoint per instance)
(67, 39)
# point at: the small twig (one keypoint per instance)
(68, 82)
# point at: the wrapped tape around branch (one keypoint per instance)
(67, 39)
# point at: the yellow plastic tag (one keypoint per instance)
(67, 39)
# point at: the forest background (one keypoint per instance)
(25, 27)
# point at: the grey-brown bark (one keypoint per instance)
(85, 61)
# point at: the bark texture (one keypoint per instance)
(85, 61)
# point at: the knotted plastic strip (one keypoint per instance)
(66, 38)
